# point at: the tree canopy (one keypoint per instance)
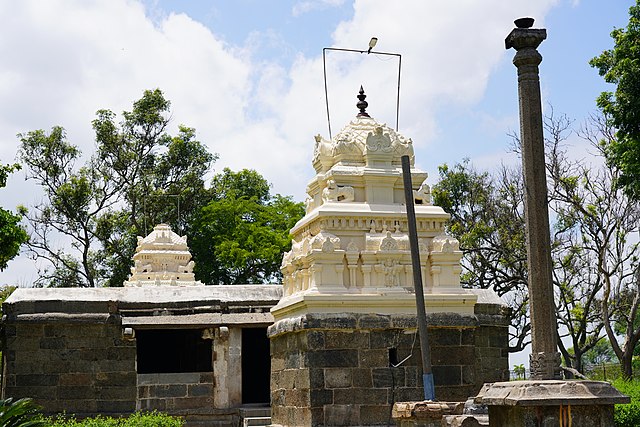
(243, 231)
(595, 264)
(621, 67)
(140, 176)
(12, 235)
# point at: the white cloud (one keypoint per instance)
(307, 6)
(63, 60)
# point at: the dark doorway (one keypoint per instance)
(256, 365)
(163, 351)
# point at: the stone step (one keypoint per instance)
(256, 421)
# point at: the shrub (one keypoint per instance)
(138, 419)
(21, 413)
(628, 415)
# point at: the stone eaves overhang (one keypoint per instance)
(159, 307)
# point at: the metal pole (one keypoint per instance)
(427, 375)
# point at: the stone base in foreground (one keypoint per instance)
(550, 402)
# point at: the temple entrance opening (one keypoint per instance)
(164, 351)
(256, 366)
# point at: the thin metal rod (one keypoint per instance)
(326, 92)
(398, 100)
(427, 375)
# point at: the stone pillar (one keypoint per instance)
(227, 367)
(545, 359)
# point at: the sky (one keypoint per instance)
(248, 75)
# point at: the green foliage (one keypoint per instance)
(20, 413)
(12, 235)
(487, 219)
(628, 415)
(138, 419)
(139, 176)
(621, 66)
(601, 353)
(239, 237)
(520, 371)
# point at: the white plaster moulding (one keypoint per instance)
(295, 305)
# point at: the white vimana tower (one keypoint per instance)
(350, 252)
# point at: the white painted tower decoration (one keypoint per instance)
(350, 252)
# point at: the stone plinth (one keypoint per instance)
(335, 369)
(551, 402)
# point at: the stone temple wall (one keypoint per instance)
(74, 363)
(335, 369)
(77, 350)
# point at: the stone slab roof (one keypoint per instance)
(232, 298)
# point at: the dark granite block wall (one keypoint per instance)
(79, 364)
(336, 369)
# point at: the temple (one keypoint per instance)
(334, 344)
(343, 345)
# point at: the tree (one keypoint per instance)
(137, 178)
(487, 219)
(240, 236)
(594, 264)
(621, 66)
(12, 235)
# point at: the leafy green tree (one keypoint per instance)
(487, 219)
(12, 235)
(240, 236)
(139, 176)
(621, 66)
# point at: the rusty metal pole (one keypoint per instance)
(425, 350)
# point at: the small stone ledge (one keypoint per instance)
(500, 320)
(426, 410)
(549, 393)
(49, 318)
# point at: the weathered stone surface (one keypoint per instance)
(549, 393)
(546, 363)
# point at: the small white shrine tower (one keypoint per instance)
(162, 259)
(350, 252)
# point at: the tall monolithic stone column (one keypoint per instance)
(545, 359)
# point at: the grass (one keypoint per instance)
(138, 419)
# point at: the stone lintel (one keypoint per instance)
(549, 393)
(199, 319)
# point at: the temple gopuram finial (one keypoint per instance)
(362, 104)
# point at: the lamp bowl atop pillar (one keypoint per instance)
(524, 22)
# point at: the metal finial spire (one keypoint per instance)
(362, 104)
